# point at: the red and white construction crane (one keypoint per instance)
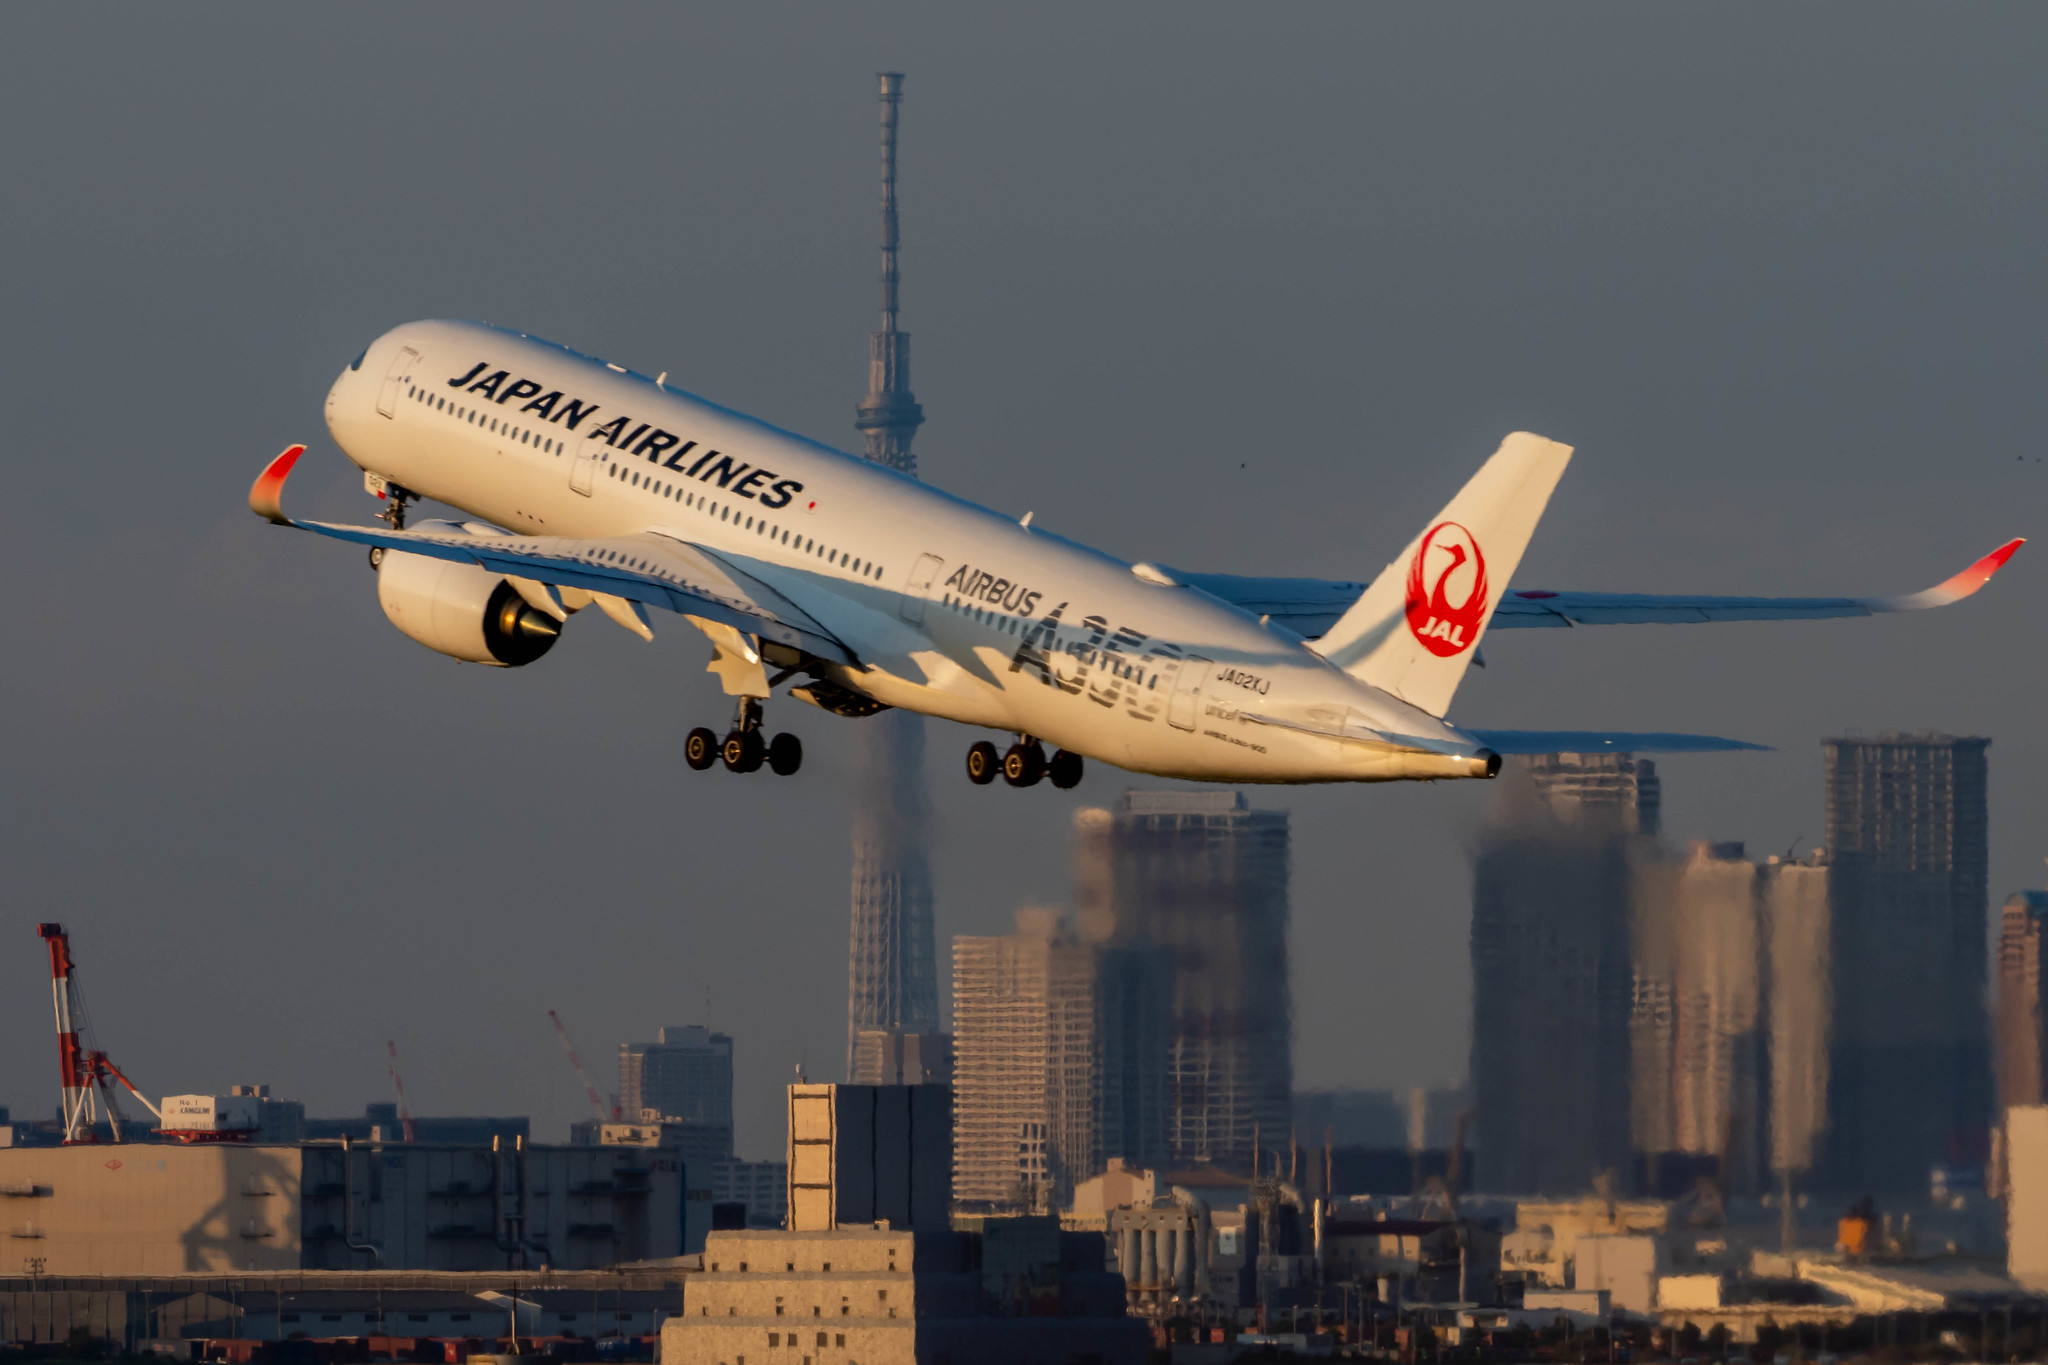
(398, 1084)
(597, 1106)
(87, 1076)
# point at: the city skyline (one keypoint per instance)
(1778, 380)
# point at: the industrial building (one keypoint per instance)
(381, 1123)
(871, 1269)
(886, 1296)
(401, 1312)
(147, 1209)
(863, 1154)
(1907, 848)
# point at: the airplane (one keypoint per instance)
(589, 484)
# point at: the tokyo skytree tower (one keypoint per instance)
(893, 999)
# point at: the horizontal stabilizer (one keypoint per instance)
(1604, 742)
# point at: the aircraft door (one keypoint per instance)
(918, 587)
(583, 471)
(1186, 702)
(394, 380)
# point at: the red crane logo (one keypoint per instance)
(1447, 590)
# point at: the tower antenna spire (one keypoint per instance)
(892, 976)
(888, 416)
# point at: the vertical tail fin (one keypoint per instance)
(1415, 630)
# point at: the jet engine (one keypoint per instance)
(461, 610)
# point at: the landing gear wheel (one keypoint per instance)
(742, 751)
(1024, 764)
(983, 763)
(785, 754)
(700, 749)
(1064, 768)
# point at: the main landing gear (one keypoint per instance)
(743, 750)
(1023, 765)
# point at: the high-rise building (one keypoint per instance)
(1025, 1087)
(1134, 984)
(1729, 1032)
(1798, 937)
(892, 969)
(1910, 1076)
(1554, 1000)
(2022, 1060)
(1200, 881)
(687, 1077)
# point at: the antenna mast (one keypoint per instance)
(888, 415)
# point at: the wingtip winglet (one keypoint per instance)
(1959, 586)
(266, 495)
(1954, 588)
(1978, 574)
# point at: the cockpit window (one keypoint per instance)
(357, 363)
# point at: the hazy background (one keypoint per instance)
(1243, 288)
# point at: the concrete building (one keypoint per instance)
(763, 1186)
(1201, 878)
(1164, 1247)
(1800, 1010)
(1555, 1008)
(380, 1123)
(1910, 1073)
(277, 1120)
(862, 1154)
(892, 985)
(2026, 1195)
(408, 1310)
(887, 1296)
(1134, 994)
(892, 1057)
(166, 1208)
(686, 1077)
(1025, 1121)
(1697, 1037)
(870, 1269)
(2017, 1020)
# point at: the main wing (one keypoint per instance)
(646, 567)
(1310, 606)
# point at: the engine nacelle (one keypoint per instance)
(461, 610)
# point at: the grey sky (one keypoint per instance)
(1242, 288)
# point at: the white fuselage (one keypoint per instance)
(950, 609)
